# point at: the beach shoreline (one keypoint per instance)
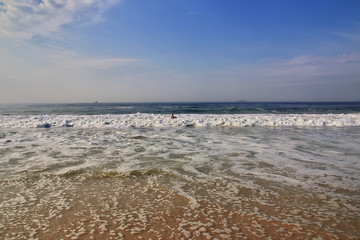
(109, 206)
(179, 183)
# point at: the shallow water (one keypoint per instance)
(180, 182)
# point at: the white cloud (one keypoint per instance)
(351, 36)
(71, 60)
(305, 78)
(27, 18)
(60, 75)
(299, 68)
(318, 66)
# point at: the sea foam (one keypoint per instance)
(189, 120)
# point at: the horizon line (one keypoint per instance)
(160, 102)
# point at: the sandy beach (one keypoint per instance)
(179, 182)
(143, 206)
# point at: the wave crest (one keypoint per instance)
(188, 120)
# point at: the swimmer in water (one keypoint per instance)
(172, 116)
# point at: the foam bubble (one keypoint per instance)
(219, 182)
(197, 120)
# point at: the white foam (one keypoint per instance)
(162, 120)
(244, 169)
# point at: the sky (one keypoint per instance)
(62, 51)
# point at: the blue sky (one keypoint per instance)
(179, 50)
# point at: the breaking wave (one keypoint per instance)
(189, 120)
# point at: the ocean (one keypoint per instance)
(217, 171)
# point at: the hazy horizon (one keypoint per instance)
(126, 51)
(182, 102)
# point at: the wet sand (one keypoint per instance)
(150, 205)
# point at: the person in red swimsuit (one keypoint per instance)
(172, 116)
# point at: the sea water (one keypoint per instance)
(217, 171)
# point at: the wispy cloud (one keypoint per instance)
(301, 67)
(317, 66)
(27, 18)
(304, 77)
(72, 60)
(351, 36)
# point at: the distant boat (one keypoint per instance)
(96, 102)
